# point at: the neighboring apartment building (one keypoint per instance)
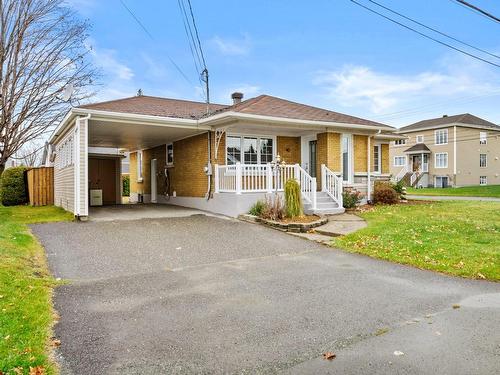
(457, 150)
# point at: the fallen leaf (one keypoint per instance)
(456, 306)
(481, 276)
(329, 355)
(7, 337)
(38, 370)
(56, 342)
(398, 353)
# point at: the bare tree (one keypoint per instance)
(42, 53)
(30, 155)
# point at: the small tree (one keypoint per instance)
(13, 187)
(293, 199)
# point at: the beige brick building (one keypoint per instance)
(458, 150)
(219, 158)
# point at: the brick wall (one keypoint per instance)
(360, 153)
(328, 153)
(289, 149)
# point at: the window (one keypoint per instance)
(399, 161)
(483, 138)
(376, 158)
(483, 160)
(250, 150)
(266, 150)
(256, 150)
(65, 152)
(346, 157)
(233, 150)
(441, 182)
(420, 139)
(170, 154)
(400, 142)
(483, 180)
(441, 136)
(139, 166)
(441, 160)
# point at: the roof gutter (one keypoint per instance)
(223, 117)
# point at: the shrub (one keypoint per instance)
(13, 187)
(384, 193)
(126, 185)
(293, 201)
(273, 208)
(351, 198)
(258, 208)
(399, 187)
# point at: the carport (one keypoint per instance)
(88, 145)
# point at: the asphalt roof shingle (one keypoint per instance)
(155, 106)
(465, 118)
(264, 105)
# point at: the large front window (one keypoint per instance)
(441, 136)
(249, 150)
(441, 160)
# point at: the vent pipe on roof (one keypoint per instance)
(236, 96)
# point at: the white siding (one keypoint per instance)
(64, 175)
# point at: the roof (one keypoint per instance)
(419, 147)
(264, 105)
(465, 118)
(155, 106)
(267, 105)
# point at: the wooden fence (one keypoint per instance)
(41, 186)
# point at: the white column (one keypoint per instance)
(323, 177)
(238, 178)
(216, 178)
(269, 178)
(313, 193)
(368, 173)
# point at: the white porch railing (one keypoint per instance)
(401, 174)
(256, 178)
(331, 184)
(414, 177)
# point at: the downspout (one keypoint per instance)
(208, 168)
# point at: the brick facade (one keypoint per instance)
(360, 153)
(328, 153)
(289, 149)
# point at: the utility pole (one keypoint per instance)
(204, 78)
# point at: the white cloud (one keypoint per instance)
(233, 46)
(361, 87)
(84, 7)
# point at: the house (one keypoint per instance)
(215, 157)
(457, 150)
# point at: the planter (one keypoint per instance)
(285, 227)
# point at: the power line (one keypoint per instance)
(152, 38)
(416, 110)
(478, 10)
(425, 35)
(433, 29)
(197, 35)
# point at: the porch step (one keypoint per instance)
(324, 206)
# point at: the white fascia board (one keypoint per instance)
(125, 118)
(223, 117)
(389, 137)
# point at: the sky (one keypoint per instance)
(330, 54)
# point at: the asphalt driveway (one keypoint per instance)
(208, 295)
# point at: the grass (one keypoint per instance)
(26, 314)
(466, 191)
(460, 238)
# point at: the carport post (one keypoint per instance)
(216, 178)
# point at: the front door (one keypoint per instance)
(312, 158)
(416, 162)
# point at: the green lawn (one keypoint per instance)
(26, 314)
(466, 191)
(460, 238)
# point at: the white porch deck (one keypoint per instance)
(264, 178)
